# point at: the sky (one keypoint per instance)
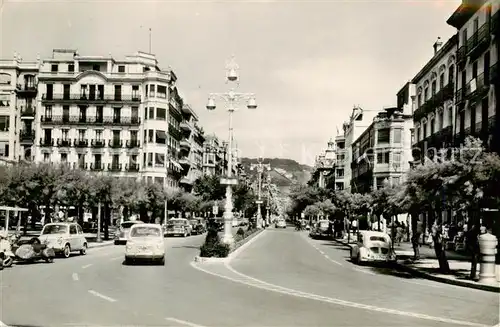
(308, 62)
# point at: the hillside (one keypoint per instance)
(284, 173)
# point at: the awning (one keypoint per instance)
(161, 135)
(176, 164)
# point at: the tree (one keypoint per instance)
(209, 188)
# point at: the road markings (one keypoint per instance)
(104, 297)
(86, 266)
(183, 322)
(117, 258)
(75, 277)
(250, 281)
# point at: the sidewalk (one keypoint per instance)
(428, 267)
(91, 238)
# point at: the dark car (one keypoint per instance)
(198, 226)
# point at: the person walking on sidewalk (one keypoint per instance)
(417, 233)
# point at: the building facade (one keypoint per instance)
(122, 117)
(324, 173)
(434, 109)
(191, 148)
(18, 101)
(477, 82)
(353, 128)
(341, 163)
(214, 154)
(382, 152)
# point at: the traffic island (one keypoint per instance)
(215, 251)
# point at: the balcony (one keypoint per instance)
(185, 161)
(27, 90)
(97, 166)
(446, 93)
(131, 167)
(63, 143)
(95, 99)
(27, 136)
(115, 144)
(460, 96)
(462, 56)
(115, 167)
(97, 144)
(90, 120)
(185, 144)
(495, 23)
(27, 112)
(479, 42)
(46, 142)
(80, 143)
(494, 73)
(185, 126)
(132, 144)
(476, 88)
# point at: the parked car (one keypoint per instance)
(123, 231)
(198, 226)
(145, 242)
(373, 246)
(280, 223)
(178, 227)
(64, 238)
(321, 229)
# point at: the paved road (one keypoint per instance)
(290, 283)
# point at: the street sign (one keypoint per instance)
(228, 181)
(215, 210)
(259, 202)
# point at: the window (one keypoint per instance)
(71, 68)
(121, 69)
(65, 134)
(162, 92)
(98, 135)
(441, 81)
(380, 182)
(397, 136)
(395, 180)
(441, 119)
(83, 91)
(161, 114)
(4, 123)
(159, 160)
(96, 68)
(383, 135)
(341, 145)
(150, 160)
(433, 88)
(464, 37)
(161, 137)
(46, 157)
(340, 172)
(64, 157)
(426, 94)
(54, 68)
(432, 122)
(151, 113)
(135, 92)
(424, 133)
(116, 115)
(474, 69)
(383, 157)
(66, 91)
(419, 100)
(135, 113)
(48, 134)
(451, 75)
(118, 92)
(81, 134)
(116, 136)
(396, 158)
(152, 90)
(97, 160)
(150, 136)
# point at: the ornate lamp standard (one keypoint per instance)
(260, 170)
(268, 207)
(232, 99)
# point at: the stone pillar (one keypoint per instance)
(488, 249)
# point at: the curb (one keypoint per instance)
(234, 252)
(418, 273)
(100, 245)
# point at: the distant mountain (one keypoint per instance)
(284, 172)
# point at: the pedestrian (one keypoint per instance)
(399, 233)
(417, 233)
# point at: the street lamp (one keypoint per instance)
(232, 98)
(260, 170)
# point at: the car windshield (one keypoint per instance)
(378, 239)
(145, 231)
(324, 224)
(128, 224)
(55, 229)
(176, 223)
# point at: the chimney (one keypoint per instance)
(437, 46)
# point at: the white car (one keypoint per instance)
(145, 242)
(64, 238)
(280, 223)
(372, 246)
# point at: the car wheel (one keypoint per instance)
(66, 251)
(358, 259)
(128, 261)
(83, 251)
(185, 235)
(117, 242)
(161, 262)
(49, 259)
